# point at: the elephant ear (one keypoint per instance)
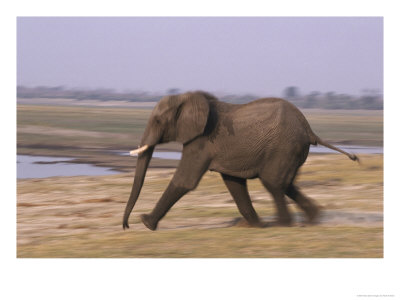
(192, 117)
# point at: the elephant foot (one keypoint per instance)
(313, 215)
(284, 222)
(277, 223)
(241, 222)
(148, 222)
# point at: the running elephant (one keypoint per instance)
(267, 139)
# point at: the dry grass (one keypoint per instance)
(227, 242)
(82, 216)
(359, 127)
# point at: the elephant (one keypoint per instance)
(268, 138)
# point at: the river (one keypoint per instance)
(45, 166)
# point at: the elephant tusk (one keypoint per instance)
(139, 150)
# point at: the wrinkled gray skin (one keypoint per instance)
(267, 139)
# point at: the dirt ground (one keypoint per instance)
(82, 216)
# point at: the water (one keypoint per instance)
(44, 166)
(348, 148)
(174, 155)
(313, 149)
(168, 155)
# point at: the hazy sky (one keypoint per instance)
(256, 55)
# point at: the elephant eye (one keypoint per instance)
(157, 120)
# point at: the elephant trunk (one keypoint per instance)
(141, 168)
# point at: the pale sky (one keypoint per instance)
(260, 55)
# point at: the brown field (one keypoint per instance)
(82, 216)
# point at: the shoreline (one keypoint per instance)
(109, 158)
(158, 164)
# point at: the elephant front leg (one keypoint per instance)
(171, 195)
(191, 168)
(238, 189)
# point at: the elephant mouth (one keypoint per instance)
(139, 150)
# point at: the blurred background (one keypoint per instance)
(257, 56)
(86, 86)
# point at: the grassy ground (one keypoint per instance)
(357, 127)
(82, 216)
(85, 133)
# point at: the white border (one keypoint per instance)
(205, 278)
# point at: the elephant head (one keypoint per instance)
(179, 118)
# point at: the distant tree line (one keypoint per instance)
(97, 94)
(370, 99)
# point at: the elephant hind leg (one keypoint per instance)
(238, 189)
(306, 204)
(277, 192)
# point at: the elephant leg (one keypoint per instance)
(305, 203)
(185, 179)
(284, 217)
(238, 189)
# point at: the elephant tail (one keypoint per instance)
(315, 140)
